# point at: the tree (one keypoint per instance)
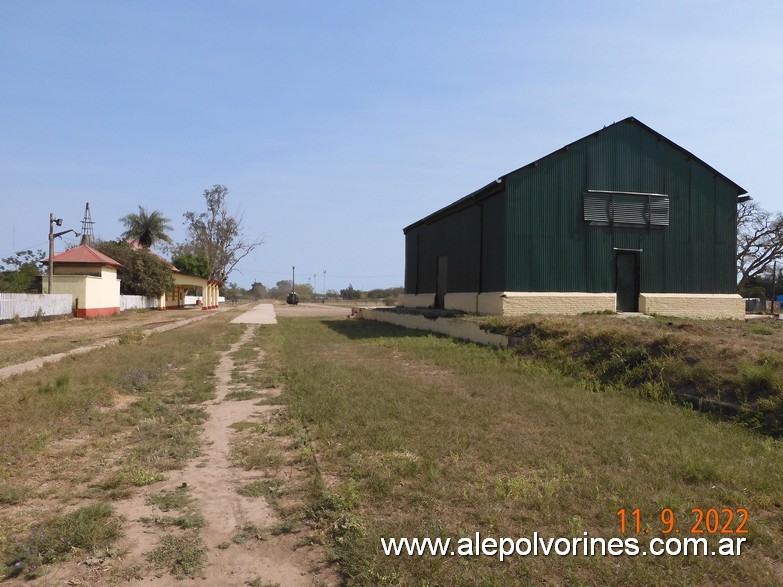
(191, 264)
(146, 228)
(759, 240)
(349, 293)
(281, 289)
(142, 273)
(19, 272)
(217, 234)
(258, 290)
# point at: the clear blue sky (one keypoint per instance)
(336, 124)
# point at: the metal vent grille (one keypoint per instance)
(628, 208)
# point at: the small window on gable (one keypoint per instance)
(605, 208)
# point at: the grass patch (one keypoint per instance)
(91, 528)
(182, 556)
(270, 489)
(242, 394)
(425, 436)
(255, 453)
(177, 499)
(247, 533)
(244, 425)
(11, 494)
(717, 366)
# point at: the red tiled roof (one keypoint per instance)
(83, 254)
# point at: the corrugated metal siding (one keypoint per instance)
(533, 236)
(476, 259)
(551, 248)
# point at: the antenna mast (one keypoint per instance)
(88, 233)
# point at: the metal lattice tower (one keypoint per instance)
(88, 233)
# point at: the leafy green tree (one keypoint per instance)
(349, 293)
(191, 264)
(142, 273)
(281, 289)
(218, 234)
(146, 227)
(18, 272)
(258, 291)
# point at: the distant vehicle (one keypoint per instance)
(293, 298)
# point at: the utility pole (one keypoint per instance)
(52, 236)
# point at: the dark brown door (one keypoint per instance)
(627, 281)
(442, 281)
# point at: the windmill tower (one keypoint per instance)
(88, 233)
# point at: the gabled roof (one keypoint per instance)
(495, 186)
(84, 255)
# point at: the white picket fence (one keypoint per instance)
(137, 303)
(21, 306)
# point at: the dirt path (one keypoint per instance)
(212, 481)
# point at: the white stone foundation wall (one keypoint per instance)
(416, 300)
(454, 327)
(702, 306)
(521, 303)
(465, 302)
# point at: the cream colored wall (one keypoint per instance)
(702, 306)
(521, 303)
(104, 292)
(88, 291)
(465, 302)
(75, 285)
(456, 327)
(416, 300)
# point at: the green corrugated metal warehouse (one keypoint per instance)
(623, 219)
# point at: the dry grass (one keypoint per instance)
(418, 435)
(98, 426)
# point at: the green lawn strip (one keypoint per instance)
(727, 367)
(432, 437)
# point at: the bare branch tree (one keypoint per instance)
(759, 240)
(217, 234)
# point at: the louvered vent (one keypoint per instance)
(626, 208)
